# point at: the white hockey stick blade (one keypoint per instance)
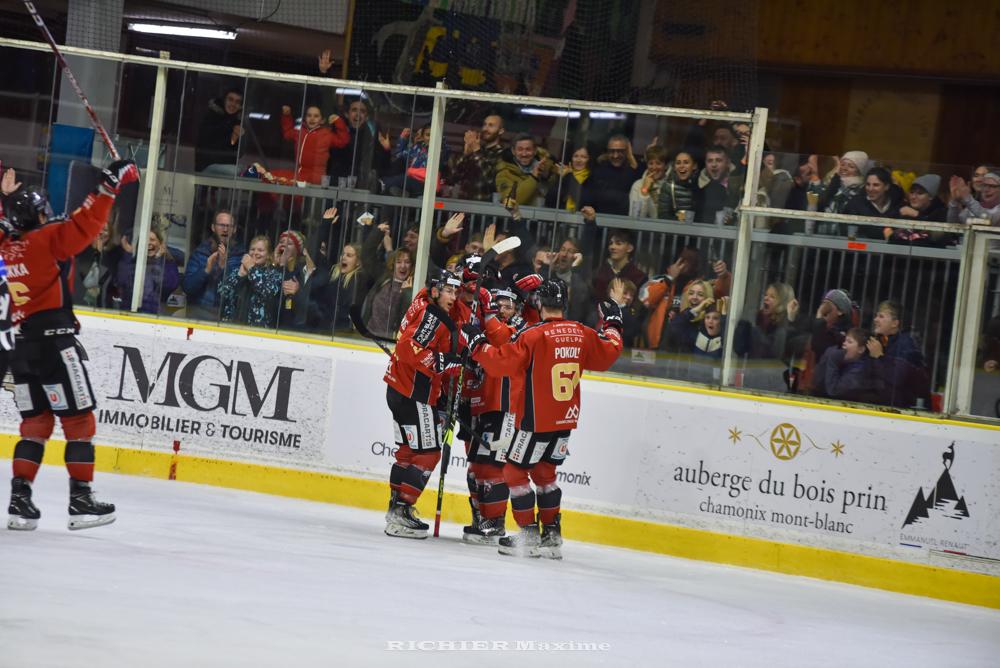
(508, 244)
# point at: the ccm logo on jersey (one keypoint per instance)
(58, 331)
(567, 353)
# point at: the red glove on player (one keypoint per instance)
(529, 283)
(117, 174)
(487, 305)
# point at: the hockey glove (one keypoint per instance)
(487, 305)
(611, 315)
(116, 175)
(448, 363)
(475, 337)
(529, 283)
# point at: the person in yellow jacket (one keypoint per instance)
(525, 172)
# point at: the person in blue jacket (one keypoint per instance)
(214, 258)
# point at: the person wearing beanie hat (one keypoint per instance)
(292, 258)
(846, 184)
(922, 203)
(859, 160)
(962, 206)
(836, 314)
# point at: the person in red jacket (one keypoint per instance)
(47, 363)
(548, 359)
(425, 355)
(313, 141)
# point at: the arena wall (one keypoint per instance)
(904, 503)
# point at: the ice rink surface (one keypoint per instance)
(199, 576)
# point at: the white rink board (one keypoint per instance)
(855, 483)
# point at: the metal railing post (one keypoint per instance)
(430, 192)
(139, 239)
(741, 265)
(965, 328)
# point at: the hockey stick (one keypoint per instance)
(72, 79)
(489, 257)
(382, 342)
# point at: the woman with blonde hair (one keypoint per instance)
(682, 330)
(251, 295)
(329, 305)
(388, 300)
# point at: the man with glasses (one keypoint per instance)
(219, 135)
(609, 184)
(963, 206)
(214, 257)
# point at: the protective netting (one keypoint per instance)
(643, 51)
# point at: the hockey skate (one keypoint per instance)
(551, 545)
(85, 511)
(488, 532)
(402, 521)
(23, 513)
(471, 532)
(525, 543)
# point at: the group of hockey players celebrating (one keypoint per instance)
(520, 363)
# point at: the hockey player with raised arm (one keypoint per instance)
(492, 413)
(50, 378)
(424, 360)
(547, 361)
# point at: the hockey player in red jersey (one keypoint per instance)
(548, 359)
(424, 358)
(50, 378)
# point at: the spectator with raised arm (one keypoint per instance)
(473, 175)
(644, 197)
(313, 141)
(367, 153)
(251, 295)
(330, 303)
(962, 206)
(683, 328)
(292, 259)
(214, 257)
(219, 133)
(777, 332)
(568, 192)
(846, 183)
(848, 372)
(611, 180)
(680, 191)
(525, 172)
(977, 178)
(567, 265)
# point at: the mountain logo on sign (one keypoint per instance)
(942, 500)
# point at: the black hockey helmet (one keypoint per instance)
(443, 277)
(510, 293)
(22, 208)
(471, 267)
(551, 294)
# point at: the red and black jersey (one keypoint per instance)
(423, 334)
(40, 266)
(546, 362)
(490, 393)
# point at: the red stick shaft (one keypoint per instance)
(72, 79)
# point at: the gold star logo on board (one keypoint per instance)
(837, 448)
(785, 441)
(735, 435)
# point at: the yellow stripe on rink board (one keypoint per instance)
(907, 578)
